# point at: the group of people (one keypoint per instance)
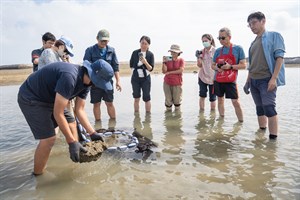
(45, 95)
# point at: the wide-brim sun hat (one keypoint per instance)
(69, 44)
(100, 73)
(175, 48)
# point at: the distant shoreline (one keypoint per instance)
(18, 73)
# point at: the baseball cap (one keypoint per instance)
(103, 35)
(68, 44)
(100, 73)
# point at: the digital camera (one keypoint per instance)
(141, 54)
(198, 53)
(167, 58)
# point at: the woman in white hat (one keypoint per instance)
(60, 51)
(173, 68)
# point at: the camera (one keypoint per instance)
(167, 58)
(198, 53)
(141, 54)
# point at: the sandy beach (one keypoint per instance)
(17, 76)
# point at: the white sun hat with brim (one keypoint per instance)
(175, 48)
(69, 44)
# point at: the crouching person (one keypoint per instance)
(44, 96)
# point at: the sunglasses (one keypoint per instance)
(221, 38)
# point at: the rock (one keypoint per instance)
(95, 149)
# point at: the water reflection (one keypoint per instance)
(258, 165)
(143, 127)
(173, 141)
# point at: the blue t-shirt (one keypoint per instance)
(237, 51)
(58, 77)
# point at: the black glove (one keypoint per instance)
(74, 149)
(96, 136)
(247, 87)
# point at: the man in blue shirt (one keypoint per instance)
(102, 51)
(233, 58)
(46, 93)
(266, 72)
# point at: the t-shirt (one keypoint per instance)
(36, 54)
(48, 56)
(58, 77)
(174, 79)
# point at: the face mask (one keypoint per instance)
(206, 44)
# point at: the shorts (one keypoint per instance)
(39, 116)
(203, 90)
(260, 95)
(229, 89)
(98, 94)
(143, 84)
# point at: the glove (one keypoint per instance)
(74, 149)
(247, 87)
(96, 136)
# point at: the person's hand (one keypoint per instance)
(96, 136)
(272, 84)
(247, 87)
(74, 149)
(118, 87)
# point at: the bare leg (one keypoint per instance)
(201, 103)
(273, 125)
(262, 121)
(213, 105)
(221, 106)
(111, 110)
(238, 109)
(136, 104)
(148, 106)
(41, 154)
(97, 111)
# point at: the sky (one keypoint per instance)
(166, 22)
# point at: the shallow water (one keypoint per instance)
(199, 155)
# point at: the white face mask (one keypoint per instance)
(206, 44)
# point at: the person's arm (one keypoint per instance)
(147, 64)
(82, 116)
(118, 82)
(60, 104)
(272, 83)
(115, 66)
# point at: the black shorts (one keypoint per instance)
(98, 94)
(229, 89)
(143, 84)
(39, 117)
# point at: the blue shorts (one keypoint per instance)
(143, 84)
(229, 89)
(203, 90)
(260, 95)
(98, 94)
(39, 117)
